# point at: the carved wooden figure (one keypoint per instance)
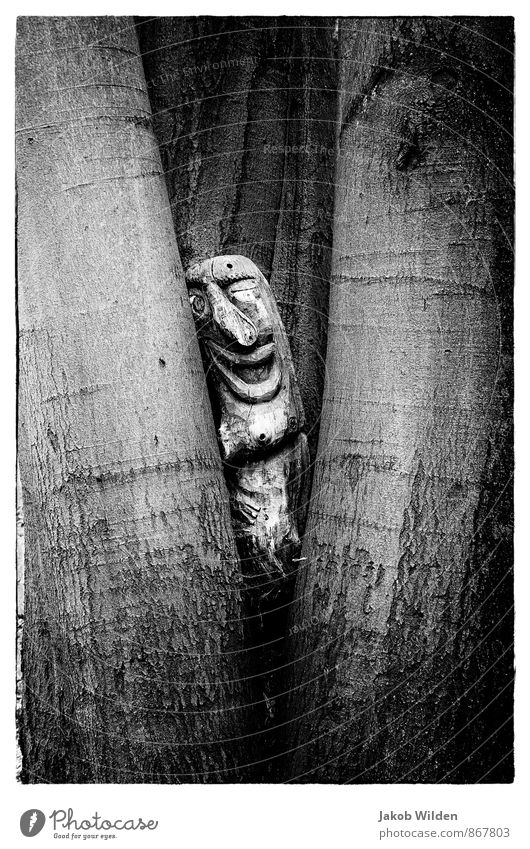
(258, 411)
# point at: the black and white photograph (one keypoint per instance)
(264, 401)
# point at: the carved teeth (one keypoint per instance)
(252, 393)
(257, 357)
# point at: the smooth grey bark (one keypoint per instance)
(401, 633)
(132, 646)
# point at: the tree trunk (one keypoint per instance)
(400, 651)
(132, 646)
(244, 111)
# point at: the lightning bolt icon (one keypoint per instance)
(32, 821)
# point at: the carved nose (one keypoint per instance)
(234, 324)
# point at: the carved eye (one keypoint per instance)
(244, 290)
(198, 305)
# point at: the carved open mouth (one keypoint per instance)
(253, 376)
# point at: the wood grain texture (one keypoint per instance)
(132, 641)
(401, 667)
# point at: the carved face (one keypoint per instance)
(232, 313)
(247, 353)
